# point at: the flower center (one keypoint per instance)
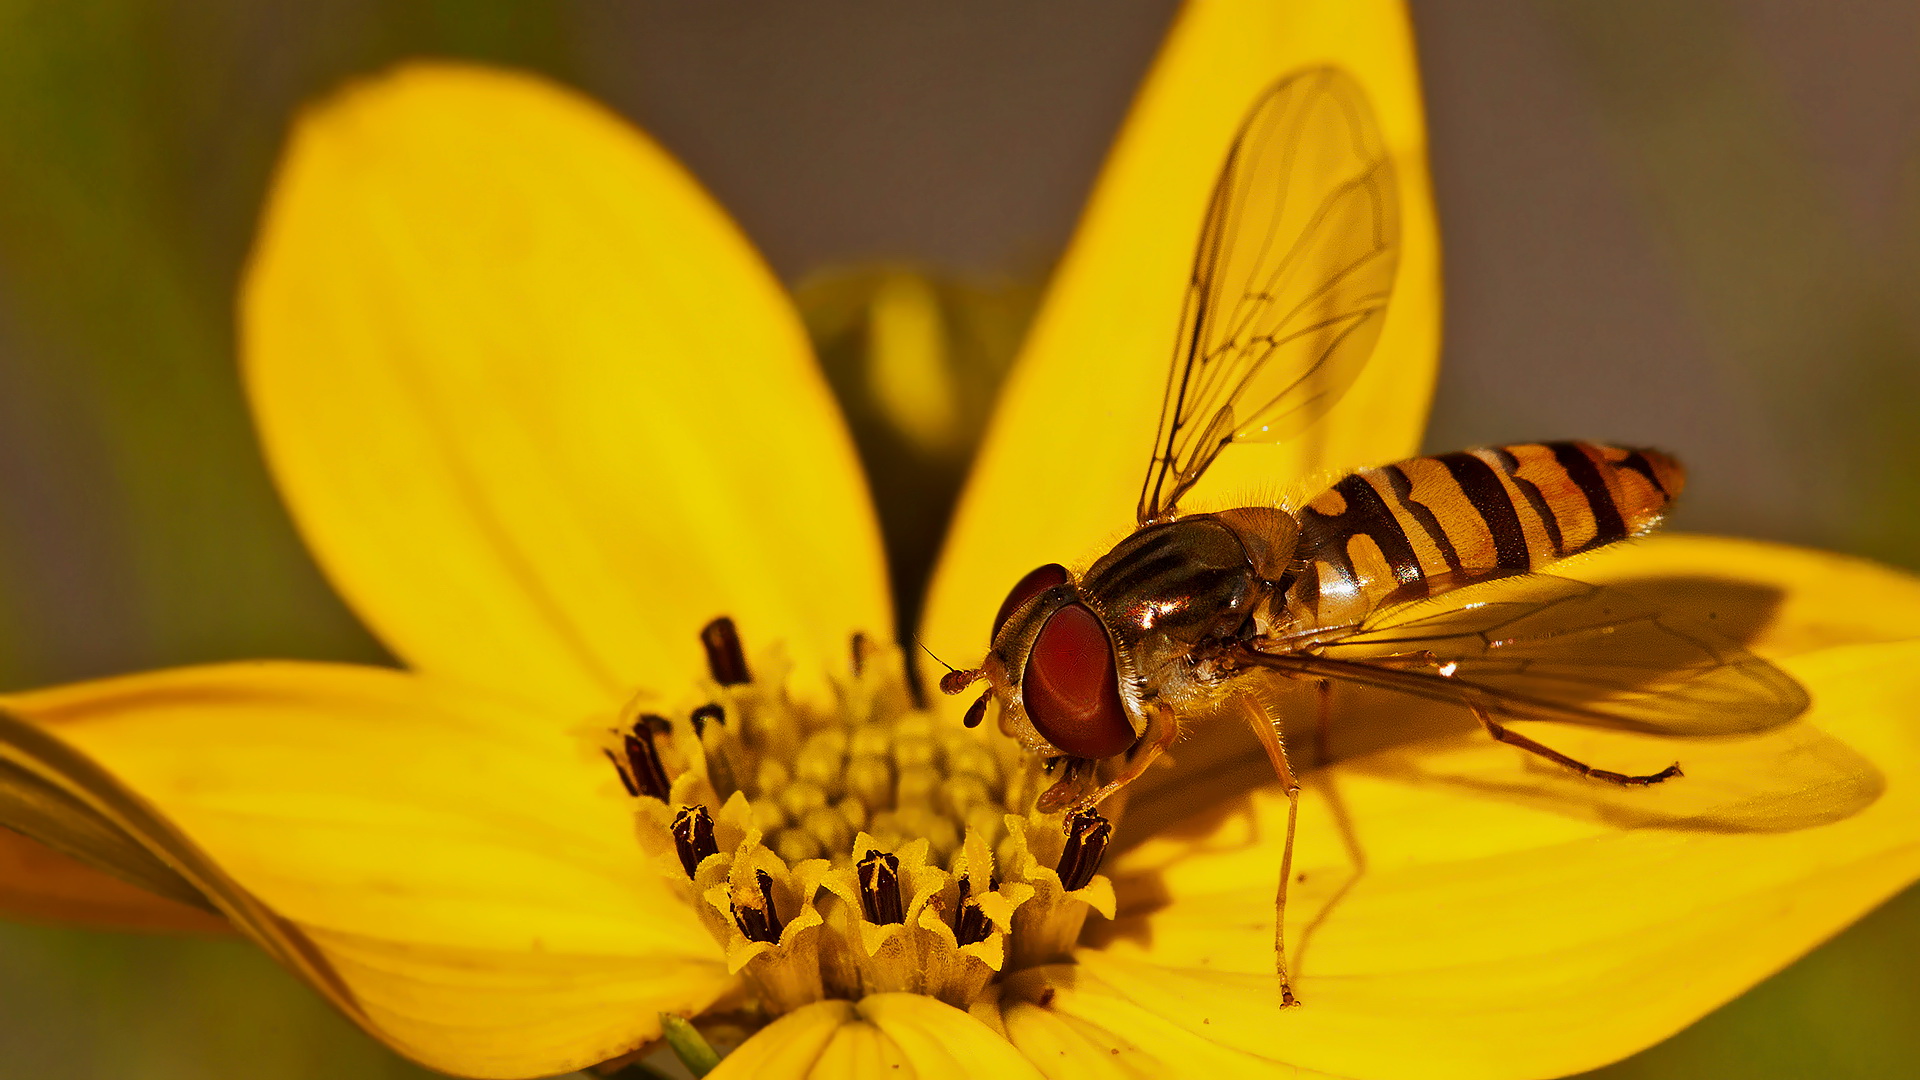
(857, 847)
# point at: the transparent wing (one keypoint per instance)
(1541, 647)
(1289, 286)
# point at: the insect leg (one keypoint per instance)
(1322, 721)
(1161, 731)
(1514, 738)
(1267, 729)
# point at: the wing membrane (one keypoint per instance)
(1290, 283)
(1548, 648)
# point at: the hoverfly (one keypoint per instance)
(1421, 577)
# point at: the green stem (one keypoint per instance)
(689, 1045)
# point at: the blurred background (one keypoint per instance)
(1688, 225)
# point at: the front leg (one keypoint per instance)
(1160, 733)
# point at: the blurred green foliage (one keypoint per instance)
(136, 141)
(79, 1004)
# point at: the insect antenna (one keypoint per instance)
(930, 652)
(955, 680)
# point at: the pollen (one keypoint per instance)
(853, 847)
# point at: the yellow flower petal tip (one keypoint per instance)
(1073, 429)
(536, 403)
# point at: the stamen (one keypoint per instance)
(880, 889)
(693, 837)
(710, 713)
(977, 711)
(710, 731)
(643, 760)
(970, 926)
(725, 659)
(859, 650)
(1087, 836)
(760, 923)
(625, 780)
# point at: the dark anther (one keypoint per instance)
(977, 711)
(643, 763)
(724, 658)
(705, 714)
(625, 780)
(693, 837)
(970, 926)
(1087, 836)
(859, 651)
(880, 888)
(760, 923)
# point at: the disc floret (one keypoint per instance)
(857, 847)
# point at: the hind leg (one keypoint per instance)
(1513, 738)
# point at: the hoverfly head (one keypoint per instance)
(1056, 669)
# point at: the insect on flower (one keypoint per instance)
(1421, 577)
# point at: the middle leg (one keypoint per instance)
(1266, 727)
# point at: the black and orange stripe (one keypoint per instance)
(1417, 527)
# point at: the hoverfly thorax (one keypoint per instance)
(1171, 591)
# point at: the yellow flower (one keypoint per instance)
(543, 416)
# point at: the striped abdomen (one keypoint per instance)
(1404, 531)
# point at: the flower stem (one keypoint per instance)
(689, 1045)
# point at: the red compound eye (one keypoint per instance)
(1036, 582)
(1071, 686)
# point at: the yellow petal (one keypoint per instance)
(1511, 921)
(1061, 469)
(788, 1047)
(1074, 1026)
(536, 404)
(39, 883)
(458, 874)
(941, 1042)
(890, 1036)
